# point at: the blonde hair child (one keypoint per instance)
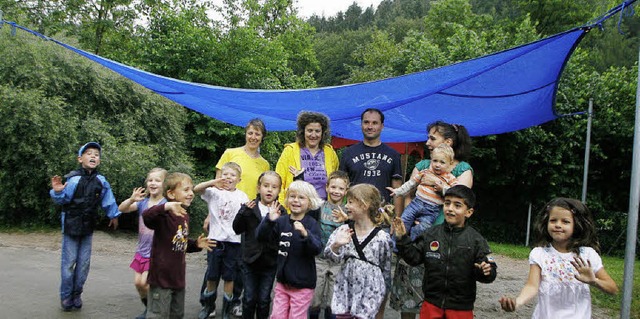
(297, 236)
(422, 211)
(365, 254)
(224, 200)
(141, 199)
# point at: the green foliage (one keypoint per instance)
(335, 52)
(53, 102)
(264, 45)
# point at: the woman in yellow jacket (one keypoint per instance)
(311, 158)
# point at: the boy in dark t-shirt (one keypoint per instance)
(170, 222)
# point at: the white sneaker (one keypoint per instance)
(212, 314)
(237, 310)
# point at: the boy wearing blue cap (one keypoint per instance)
(84, 190)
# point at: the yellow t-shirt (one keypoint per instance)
(251, 169)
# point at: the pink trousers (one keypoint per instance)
(291, 303)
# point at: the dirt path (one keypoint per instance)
(30, 278)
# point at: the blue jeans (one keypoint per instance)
(258, 283)
(76, 258)
(422, 211)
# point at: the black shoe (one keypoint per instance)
(67, 304)
(77, 302)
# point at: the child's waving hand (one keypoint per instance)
(584, 271)
(175, 208)
(343, 237)
(56, 184)
(205, 243)
(398, 228)
(339, 216)
(138, 194)
(274, 211)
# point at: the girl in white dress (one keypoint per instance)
(564, 263)
(365, 253)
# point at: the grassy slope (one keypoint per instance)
(613, 265)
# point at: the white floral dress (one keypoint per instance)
(560, 294)
(361, 286)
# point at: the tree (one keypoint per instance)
(53, 102)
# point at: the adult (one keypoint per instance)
(253, 165)
(311, 157)
(371, 161)
(374, 162)
(248, 157)
(406, 289)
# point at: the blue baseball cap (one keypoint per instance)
(89, 145)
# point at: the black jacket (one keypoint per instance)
(449, 255)
(82, 212)
(254, 252)
(296, 254)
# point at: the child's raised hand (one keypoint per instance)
(297, 225)
(206, 243)
(176, 209)
(392, 191)
(218, 183)
(295, 171)
(56, 184)
(508, 304)
(251, 204)
(339, 216)
(343, 237)
(274, 211)
(398, 228)
(584, 271)
(138, 194)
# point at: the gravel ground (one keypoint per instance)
(30, 263)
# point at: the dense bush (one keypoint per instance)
(53, 102)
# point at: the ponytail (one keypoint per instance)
(384, 215)
(461, 141)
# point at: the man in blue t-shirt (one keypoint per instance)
(372, 161)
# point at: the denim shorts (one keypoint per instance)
(222, 261)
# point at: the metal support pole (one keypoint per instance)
(587, 150)
(528, 226)
(632, 223)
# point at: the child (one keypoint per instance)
(80, 196)
(140, 200)
(365, 275)
(425, 207)
(223, 201)
(337, 185)
(258, 263)
(298, 238)
(170, 222)
(454, 255)
(564, 263)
